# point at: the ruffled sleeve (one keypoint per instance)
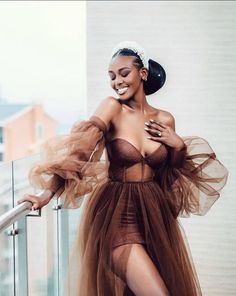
(192, 178)
(70, 165)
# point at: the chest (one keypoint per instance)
(132, 130)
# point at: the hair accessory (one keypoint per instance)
(135, 47)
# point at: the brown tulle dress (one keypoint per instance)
(128, 198)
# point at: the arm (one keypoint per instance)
(195, 177)
(72, 161)
(38, 201)
(178, 151)
(162, 130)
(107, 109)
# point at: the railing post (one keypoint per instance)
(63, 247)
(22, 262)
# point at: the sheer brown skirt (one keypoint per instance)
(123, 213)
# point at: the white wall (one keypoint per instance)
(195, 43)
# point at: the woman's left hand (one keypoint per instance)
(161, 132)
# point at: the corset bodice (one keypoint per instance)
(128, 164)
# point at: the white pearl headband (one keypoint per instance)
(135, 47)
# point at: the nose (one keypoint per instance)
(119, 80)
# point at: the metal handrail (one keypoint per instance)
(14, 214)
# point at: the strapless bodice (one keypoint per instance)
(127, 162)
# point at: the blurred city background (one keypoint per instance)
(53, 72)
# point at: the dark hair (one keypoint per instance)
(156, 73)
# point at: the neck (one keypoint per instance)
(138, 102)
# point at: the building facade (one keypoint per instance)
(23, 128)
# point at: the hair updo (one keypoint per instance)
(156, 73)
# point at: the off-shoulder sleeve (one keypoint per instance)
(70, 165)
(192, 178)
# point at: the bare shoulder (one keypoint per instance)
(107, 109)
(166, 117)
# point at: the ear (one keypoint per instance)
(143, 73)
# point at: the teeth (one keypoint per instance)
(122, 90)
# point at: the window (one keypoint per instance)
(39, 131)
(1, 135)
(1, 156)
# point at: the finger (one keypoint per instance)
(32, 199)
(157, 139)
(154, 132)
(158, 124)
(35, 206)
(21, 200)
(26, 197)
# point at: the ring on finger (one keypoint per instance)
(159, 134)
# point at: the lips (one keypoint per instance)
(122, 90)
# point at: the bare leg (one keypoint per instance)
(142, 276)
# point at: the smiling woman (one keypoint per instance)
(153, 79)
(129, 240)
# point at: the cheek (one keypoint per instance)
(135, 83)
(134, 79)
(112, 84)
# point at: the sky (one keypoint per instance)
(43, 56)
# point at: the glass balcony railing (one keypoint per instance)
(35, 248)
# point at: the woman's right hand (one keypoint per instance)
(38, 201)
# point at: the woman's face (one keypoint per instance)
(125, 77)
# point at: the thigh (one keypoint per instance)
(141, 275)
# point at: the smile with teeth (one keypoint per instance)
(122, 90)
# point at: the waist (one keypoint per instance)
(131, 181)
(135, 173)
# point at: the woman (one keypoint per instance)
(130, 241)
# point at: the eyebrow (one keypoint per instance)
(121, 69)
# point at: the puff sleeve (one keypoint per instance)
(192, 178)
(70, 165)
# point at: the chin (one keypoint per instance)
(125, 96)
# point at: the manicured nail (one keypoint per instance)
(147, 123)
(152, 120)
(149, 137)
(146, 128)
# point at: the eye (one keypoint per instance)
(124, 74)
(112, 77)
